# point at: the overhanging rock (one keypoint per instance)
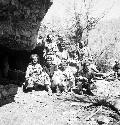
(20, 21)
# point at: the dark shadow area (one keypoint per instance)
(37, 88)
(14, 63)
(106, 104)
(76, 98)
(6, 99)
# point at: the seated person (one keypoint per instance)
(34, 74)
(70, 71)
(89, 68)
(86, 76)
(59, 79)
(50, 67)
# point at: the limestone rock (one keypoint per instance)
(20, 21)
(4, 93)
(0, 96)
(1, 88)
(12, 91)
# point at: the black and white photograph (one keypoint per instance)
(59, 62)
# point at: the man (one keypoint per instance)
(87, 75)
(48, 42)
(90, 70)
(84, 51)
(116, 69)
(50, 67)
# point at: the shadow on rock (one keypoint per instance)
(7, 93)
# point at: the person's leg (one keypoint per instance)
(80, 87)
(28, 84)
(58, 90)
(89, 92)
(24, 86)
(65, 88)
(117, 75)
(49, 90)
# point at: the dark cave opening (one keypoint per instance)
(13, 63)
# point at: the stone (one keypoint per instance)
(1, 88)
(4, 93)
(12, 91)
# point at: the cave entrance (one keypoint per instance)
(13, 63)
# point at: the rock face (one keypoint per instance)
(20, 21)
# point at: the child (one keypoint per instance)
(33, 71)
(34, 74)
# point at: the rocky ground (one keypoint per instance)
(38, 108)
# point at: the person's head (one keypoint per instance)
(81, 44)
(45, 49)
(86, 62)
(116, 61)
(61, 67)
(49, 38)
(63, 45)
(49, 60)
(89, 61)
(59, 45)
(34, 58)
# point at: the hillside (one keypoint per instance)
(104, 41)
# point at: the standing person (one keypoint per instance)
(63, 53)
(116, 69)
(48, 43)
(50, 66)
(84, 51)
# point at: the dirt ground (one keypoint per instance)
(38, 108)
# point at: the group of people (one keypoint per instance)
(64, 73)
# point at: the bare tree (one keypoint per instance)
(89, 19)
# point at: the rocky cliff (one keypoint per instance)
(20, 21)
